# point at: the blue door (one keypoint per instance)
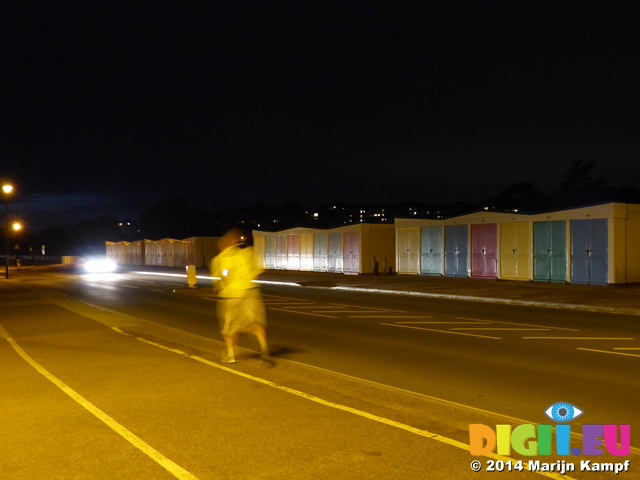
(456, 250)
(431, 251)
(550, 251)
(589, 251)
(320, 255)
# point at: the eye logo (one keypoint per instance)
(562, 412)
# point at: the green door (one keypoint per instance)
(431, 251)
(550, 251)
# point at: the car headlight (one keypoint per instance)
(99, 266)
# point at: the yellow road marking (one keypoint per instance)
(444, 322)
(341, 311)
(441, 331)
(136, 441)
(626, 348)
(301, 305)
(521, 324)
(390, 316)
(574, 338)
(499, 328)
(264, 295)
(303, 313)
(314, 306)
(370, 308)
(360, 413)
(606, 351)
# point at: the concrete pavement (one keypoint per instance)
(623, 299)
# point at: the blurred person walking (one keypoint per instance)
(240, 308)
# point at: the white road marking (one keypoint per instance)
(344, 408)
(173, 468)
(156, 290)
(129, 286)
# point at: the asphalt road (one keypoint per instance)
(431, 365)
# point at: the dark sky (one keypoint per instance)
(109, 107)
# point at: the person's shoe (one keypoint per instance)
(227, 359)
(267, 361)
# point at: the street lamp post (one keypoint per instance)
(7, 190)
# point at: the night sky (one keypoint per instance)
(110, 107)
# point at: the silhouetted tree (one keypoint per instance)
(579, 188)
(523, 197)
(175, 218)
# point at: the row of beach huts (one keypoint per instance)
(591, 245)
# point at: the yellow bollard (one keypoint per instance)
(191, 276)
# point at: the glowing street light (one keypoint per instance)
(7, 189)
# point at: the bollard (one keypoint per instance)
(191, 276)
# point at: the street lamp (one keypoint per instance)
(7, 190)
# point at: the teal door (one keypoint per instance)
(335, 252)
(431, 251)
(269, 252)
(550, 251)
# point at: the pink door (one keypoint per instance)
(484, 251)
(351, 253)
(293, 252)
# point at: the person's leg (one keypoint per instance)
(261, 334)
(226, 311)
(258, 315)
(230, 341)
